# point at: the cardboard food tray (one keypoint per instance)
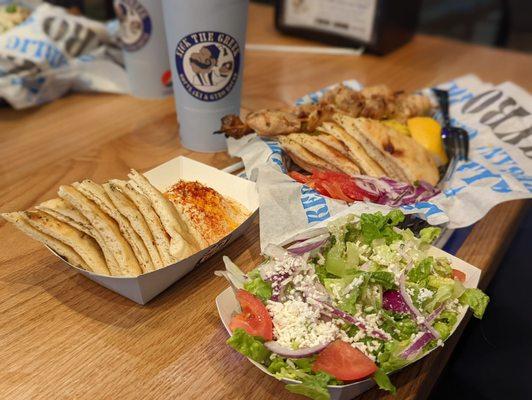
(227, 305)
(145, 287)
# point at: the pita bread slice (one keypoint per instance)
(67, 213)
(356, 152)
(331, 141)
(349, 125)
(82, 244)
(304, 158)
(108, 229)
(96, 193)
(315, 146)
(406, 155)
(137, 221)
(162, 239)
(21, 222)
(184, 239)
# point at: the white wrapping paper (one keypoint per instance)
(499, 123)
(52, 53)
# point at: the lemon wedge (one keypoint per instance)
(427, 132)
(397, 126)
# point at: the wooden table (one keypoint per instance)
(64, 337)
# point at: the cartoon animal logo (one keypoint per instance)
(207, 64)
(211, 65)
(135, 24)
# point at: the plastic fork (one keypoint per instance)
(455, 140)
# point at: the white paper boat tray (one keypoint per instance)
(227, 305)
(145, 287)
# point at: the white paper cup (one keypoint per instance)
(206, 40)
(144, 44)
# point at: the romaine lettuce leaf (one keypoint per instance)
(442, 267)
(376, 226)
(248, 345)
(389, 359)
(445, 323)
(383, 381)
(383, 278)
(420, 273)
(257, 286)
(476, 299)
(312, 386)
(429, 234)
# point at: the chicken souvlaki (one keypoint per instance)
(358, 301)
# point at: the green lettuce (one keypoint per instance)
(420, 273)
(442, 267)
(257, 286)
(400, 326)
(248, 345)
(383, 381)
(429, 234)
(383, 278)
(380, 226)
(390, 359)
(312, 386)
(476, 299)
(445, 323)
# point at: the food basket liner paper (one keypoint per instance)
(499, 123)
(227, 306)
(145, 287)
(53, 52)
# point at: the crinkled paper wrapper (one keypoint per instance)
(499, 123)
(52, 53)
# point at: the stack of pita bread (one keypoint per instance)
(358, 146)
(120, 228)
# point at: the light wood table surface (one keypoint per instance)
(64, 337)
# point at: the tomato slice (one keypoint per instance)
(459, 275)
(344, 362)
(254, 318)
(298, 176)
(335, 190)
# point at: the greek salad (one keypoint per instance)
(359, 300)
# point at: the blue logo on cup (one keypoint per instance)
(207, 64)
(135, 24)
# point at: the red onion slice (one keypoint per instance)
(435, 313)
(415, 312)
(276, 348)
(359, 323)
(417, 346)
(308, 245)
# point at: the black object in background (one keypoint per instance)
(493, 359)
(379, 25)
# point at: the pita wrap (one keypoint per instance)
(65, 212)
(21, 222)
(333, 157)
(162, 239)
(81, 243)
(108, 229)
(137, 221)
(304, 158)
(183, 242)
(406, 155)
(356, 152)
(96, 193)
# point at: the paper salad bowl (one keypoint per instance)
(145, 287)
(228, 305)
